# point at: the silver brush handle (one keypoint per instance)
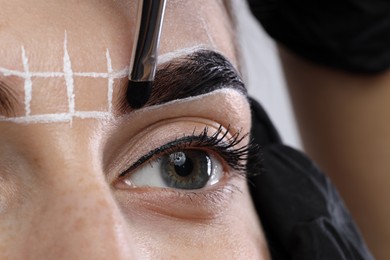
(150, 15)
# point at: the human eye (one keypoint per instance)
(186, 169)
(193, 162)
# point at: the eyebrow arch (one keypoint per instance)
(192, 75)
(7, 100)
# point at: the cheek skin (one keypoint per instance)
(67, 212)
(233, 235)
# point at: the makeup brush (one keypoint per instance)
(150, 15)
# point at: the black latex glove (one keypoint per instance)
(348, 34)
(301, 212)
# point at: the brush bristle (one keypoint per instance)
(138, 93)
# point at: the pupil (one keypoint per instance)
(183, 166)
(184, 169)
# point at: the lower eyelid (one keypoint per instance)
(202, 205)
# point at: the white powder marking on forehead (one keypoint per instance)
(68, 75)
(57, 118)
(225, 91)
(27, 83)
(166, 57)
(110, 81)
(206, 28)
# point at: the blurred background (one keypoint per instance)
(263, 74)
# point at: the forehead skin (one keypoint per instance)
(93, 26)
(54, 199)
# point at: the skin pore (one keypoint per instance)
(63, 194)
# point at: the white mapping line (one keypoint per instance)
(56, 118)
(110, 81)
(47, 74)
(27, 83)
(206, 28)
(114, 75)
(68, 75)
(181, 52)
(8, 72)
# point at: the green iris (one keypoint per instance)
(188, 170)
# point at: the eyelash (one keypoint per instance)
(236, 158)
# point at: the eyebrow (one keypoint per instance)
(7, 100)
(198, 73)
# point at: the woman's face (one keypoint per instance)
(82, 175)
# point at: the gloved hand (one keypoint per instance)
(301, 212)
